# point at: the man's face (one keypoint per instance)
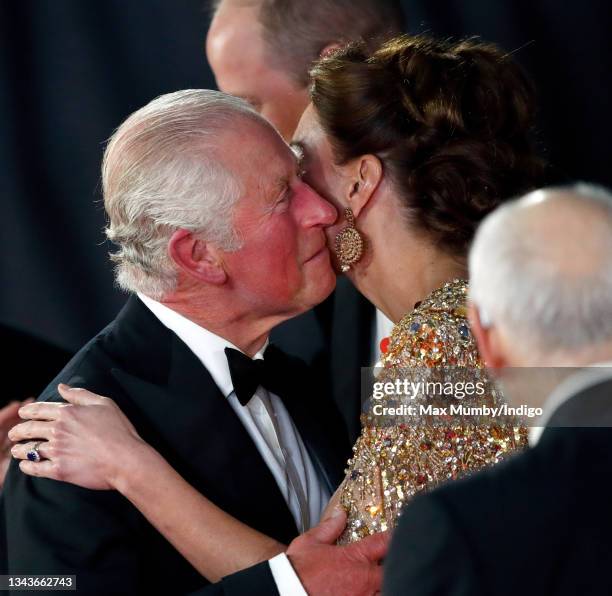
(283, 267)
(236, 52)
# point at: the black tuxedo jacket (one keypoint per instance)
(540, 523)
(335, 339)
(54, 527)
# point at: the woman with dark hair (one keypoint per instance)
(414, 144)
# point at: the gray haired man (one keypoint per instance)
(541, 522)
(219, 240)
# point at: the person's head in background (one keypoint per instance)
(541, 280)
(421, 139)
(210, 216)
(262, 50)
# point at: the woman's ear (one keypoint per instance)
(196, 258)
(366, 175)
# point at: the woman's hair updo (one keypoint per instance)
(450, 121)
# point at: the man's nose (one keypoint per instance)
(315, 210)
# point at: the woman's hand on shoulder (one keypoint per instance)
(87, 441)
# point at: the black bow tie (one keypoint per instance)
(248, 374)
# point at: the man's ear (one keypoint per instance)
(197, 258)
(365, 175)
(487, 339)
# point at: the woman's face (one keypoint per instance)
(320, 171)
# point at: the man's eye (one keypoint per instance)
(286, 196)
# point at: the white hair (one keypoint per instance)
(549, 288)
(162, 172)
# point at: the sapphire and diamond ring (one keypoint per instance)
(33, 454)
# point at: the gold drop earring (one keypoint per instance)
(349, 243)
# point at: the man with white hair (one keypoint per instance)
(540, 523)
(219, 240)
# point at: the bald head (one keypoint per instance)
(540, 268)
(569, 229)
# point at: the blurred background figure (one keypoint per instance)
(28, 364)
(540, 523)
(262, 50)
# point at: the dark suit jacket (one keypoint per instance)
(54, 527)
(335, 340)
(540, 523)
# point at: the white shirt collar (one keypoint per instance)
(208, 347)
(581, 380)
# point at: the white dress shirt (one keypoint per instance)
(581, 380)
(270, 427)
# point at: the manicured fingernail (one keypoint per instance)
(65, 387)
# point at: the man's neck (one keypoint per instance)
(237, 325)
(245, 335)
(395, 285)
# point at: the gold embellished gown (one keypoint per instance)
(393, 462)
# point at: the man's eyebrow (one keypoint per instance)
(279, 187)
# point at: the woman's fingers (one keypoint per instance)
(334, 506)
(42, 410)
(46, 410)
(44, 468)
(20, 451)
(32, 429)
(81, 397)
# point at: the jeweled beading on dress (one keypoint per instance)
(392, 463)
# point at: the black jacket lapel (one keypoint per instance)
(185, 416)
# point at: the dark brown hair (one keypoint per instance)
(450, 121)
